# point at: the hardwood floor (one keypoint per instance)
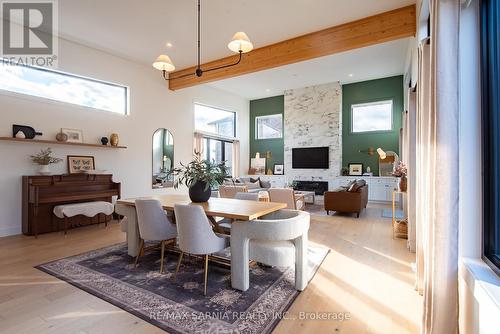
(367, 276)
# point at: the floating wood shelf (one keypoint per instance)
(54, 142)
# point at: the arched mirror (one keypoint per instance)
(163, 159)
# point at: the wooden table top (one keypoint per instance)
(217, 207)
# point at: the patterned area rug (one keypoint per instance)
(180, 306)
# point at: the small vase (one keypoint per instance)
(403, 184)
(44, 170)
(104, 141)
(114, 139)
(198, 194)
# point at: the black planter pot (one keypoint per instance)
(197, 192)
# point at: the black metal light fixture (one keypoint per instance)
(239, 44)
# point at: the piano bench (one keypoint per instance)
(88, 209)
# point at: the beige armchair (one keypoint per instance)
(287, 196)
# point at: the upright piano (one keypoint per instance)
(42, 192)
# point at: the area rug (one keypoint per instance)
(180, 306)
(387, 213)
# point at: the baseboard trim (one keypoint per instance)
(8, 231)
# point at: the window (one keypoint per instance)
(215, 121)
(369, 117)
(490, 44)
(63, 87)
(218, 150)
(269, 127)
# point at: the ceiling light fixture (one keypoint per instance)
(239, 44)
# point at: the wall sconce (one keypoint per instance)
(370, 151)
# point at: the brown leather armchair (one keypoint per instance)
(347, 201)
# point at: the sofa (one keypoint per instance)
(352, 198)
(254, 185)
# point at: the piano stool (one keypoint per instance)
(88, 209)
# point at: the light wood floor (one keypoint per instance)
(367, 275)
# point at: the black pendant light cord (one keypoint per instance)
(199, 72)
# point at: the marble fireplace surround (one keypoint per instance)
(313, 118)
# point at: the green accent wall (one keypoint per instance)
(363, 92)
(264, 107)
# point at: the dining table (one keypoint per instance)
(233, 209)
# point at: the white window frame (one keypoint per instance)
(55, 101)
(374, 103)
(211, 134)
(267, 116)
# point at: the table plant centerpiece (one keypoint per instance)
(200, 175)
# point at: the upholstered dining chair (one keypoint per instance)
(225, 224)
(231, 191)
(277, 239)
(286, 195)
(196, 235)
(154, 225)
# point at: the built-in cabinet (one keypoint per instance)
(380, 188)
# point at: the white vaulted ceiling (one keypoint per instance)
(139, 30)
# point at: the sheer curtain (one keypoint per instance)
(236, 159)
(437, 170)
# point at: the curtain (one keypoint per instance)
(198, 142)
(410, 151)
(437, 170)
(236, 159)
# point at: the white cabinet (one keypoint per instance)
(379, 188)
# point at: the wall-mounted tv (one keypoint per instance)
(310, 157)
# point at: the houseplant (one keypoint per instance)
(44, 158)
(200, 176)
(400, 171)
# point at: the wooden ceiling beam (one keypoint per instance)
(380, 28)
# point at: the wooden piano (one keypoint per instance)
(41, 193)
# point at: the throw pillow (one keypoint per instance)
(253, 185)
(265, 184)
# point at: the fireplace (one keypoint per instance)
(319, 187)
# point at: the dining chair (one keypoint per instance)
(277, 239)
(225, 224)
(196, 235)
(226, 191)
(287, 196)
(247, 196)
(154, 225)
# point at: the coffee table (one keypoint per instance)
(311, 195)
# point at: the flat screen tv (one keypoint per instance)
(310, 157)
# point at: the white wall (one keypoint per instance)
(152, 106)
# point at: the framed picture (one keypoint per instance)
(80, 164)
(259, 165)
(356, 169)
(74, 135)
(279, 169)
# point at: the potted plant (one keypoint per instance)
(200, 176)
(44, 158)
(400, 171)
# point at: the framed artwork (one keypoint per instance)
(80, 164)
(355, 169)
(259, 165)
(74, 135)
(279, 169)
